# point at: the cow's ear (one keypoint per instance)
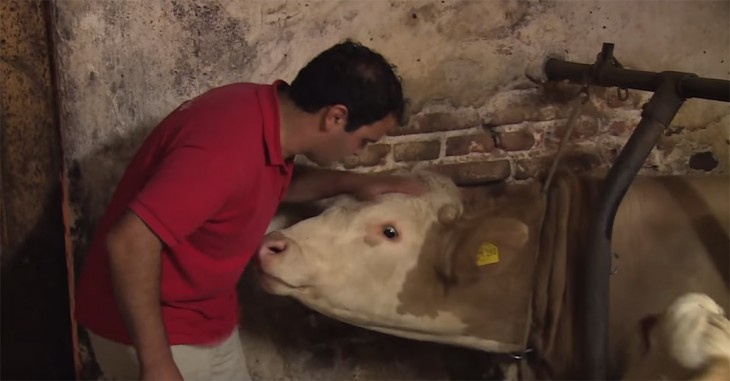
(439, 239)
(448, 215)
(507, 232)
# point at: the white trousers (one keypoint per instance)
(222, 361)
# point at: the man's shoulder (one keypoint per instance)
(232, 92)
(230, 117)
(242, 99)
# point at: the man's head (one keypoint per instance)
(356, 95)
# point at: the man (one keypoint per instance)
(158, 290)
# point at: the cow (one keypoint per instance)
(499, 274)
(690, 339)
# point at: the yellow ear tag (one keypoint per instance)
(488, 254)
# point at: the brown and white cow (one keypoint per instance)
(499, 275)
(690, 339)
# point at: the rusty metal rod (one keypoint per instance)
(611, 76)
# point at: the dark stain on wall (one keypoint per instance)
(704, 161)
(214, 40)
(35, 318)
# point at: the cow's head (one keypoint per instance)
(352, 257)
(690, 339)
(388, 264)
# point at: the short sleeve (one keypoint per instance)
(189, 187)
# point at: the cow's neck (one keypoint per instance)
(481, 268)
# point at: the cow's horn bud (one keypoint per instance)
(448, 214)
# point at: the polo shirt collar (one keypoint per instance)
(272, 124)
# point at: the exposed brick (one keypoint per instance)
(666, 144)
(516, 115)
(462, 145)
(476, 172)
(417, 151)
(538, 167)
(437, 121)
(529, 168)
(373, 154)
(558, 91)
(585, 127)
(612, 100)
(619, 128)
(515, 140)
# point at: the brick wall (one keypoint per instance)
(514, 137)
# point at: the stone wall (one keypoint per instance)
(515, 135)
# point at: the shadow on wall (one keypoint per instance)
(282, 339)
(36, 327)
(92, 180)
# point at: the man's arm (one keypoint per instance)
(310, 184)
(134, 256)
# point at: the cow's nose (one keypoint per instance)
(274, 244)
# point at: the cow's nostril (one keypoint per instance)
(277, 247)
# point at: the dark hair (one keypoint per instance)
(353, 75)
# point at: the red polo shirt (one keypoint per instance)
(207, 181)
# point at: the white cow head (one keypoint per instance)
(350, 259)
(390, 265)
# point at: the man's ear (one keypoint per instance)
(335, 118)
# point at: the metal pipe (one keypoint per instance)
(593, 297)
(691, 86)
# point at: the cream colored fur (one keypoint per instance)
(691, 341)
(314, 264)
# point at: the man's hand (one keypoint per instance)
(134, 260)
(372, 186)
(309, 184)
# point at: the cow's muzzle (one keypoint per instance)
(274, 243)
(280, 271)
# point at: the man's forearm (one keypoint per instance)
(311, 184)
(135, 268)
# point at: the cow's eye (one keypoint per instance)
(390, 232)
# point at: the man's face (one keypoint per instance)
(340, 144)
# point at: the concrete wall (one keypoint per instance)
(34, 304)
(125, 64)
